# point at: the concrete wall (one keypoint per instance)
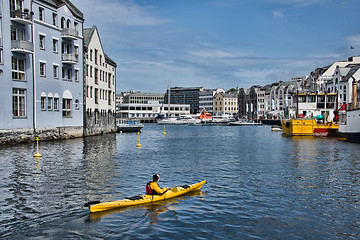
(96, 123)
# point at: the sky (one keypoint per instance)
(221, 43)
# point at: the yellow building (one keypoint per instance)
(225, 103)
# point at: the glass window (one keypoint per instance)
(17, 33)
(66, 109)
(49, 103)
(54, 15)
(42, 69)
(55, 45)
(42, 42)
(76, 75)
(56, 104)
(56, 71)
(19, 102)
(18, 69)
(77, 105)
(42, 100)
(41, 14)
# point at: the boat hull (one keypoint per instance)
(143, 199)
(350, 128)
(308, 127)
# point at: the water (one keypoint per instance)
(261, 185)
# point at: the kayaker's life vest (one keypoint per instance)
(153, 188)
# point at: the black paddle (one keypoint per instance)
(88, 204)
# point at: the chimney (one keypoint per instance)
(354, 93)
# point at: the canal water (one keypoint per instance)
(260, 185)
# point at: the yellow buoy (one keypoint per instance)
(164, 131)
(37, 154)
(138, 145)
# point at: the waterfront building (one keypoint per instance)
(99, 86)
(181, 95)
(147, 112)
(206, 99)
(225, 103)
(141, 97)
(251, 102)
(42, 67)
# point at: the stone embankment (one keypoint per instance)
(28, 135)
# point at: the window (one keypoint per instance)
(96, 56)
(91, 54)
(63, 73)
(66, 109)
(62, 22)
(77, 105)
(91, 71)
(42, 69)
(96, 76)
(17, 33)
(42, 42)
(55, 45)
(96, 96)
(56, 104)
(68, 23)
(49, 103)
(19, 102)
(69, 74)
(54, 16)
(91, 92)
(42, 101)
(76, 75)
(41, 14)
(56, 71)
(76, 25)
(18, 69)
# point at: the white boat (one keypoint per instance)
(221, 119)
(181, 120)
(128, 126)
(349, 125)
(276, 128)
(240, 123)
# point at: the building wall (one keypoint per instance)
(67, 86)
(100, 79)
(8, 120)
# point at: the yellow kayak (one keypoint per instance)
(143, 199)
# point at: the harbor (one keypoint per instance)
(260, 184)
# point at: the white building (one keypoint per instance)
(147, 112)
(100, 85)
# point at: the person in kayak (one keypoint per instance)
(153, 187)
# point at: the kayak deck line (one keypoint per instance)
(96, 206)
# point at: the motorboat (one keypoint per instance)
(123, 125)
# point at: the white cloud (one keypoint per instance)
(353, 40)
(278, 14)
(118, 13)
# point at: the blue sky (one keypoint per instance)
(221, 43)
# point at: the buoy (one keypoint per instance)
(138, 145)
(164, 131)
(37, 154)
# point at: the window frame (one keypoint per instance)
(19, 99)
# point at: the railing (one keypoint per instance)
(69, 58)
(69, 33)
(19, 14)
(22, 46)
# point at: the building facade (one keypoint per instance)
(100, 86)
(41, 63)
(206, 99)
(225, 103)
(190, 96)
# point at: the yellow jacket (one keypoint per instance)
(156, 189)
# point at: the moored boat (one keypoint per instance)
(309, 127)
(143, 199)
(128, 126)
(240, 123)
(349, 126)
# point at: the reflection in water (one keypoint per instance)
(260, 185)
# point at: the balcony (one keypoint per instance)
(22, 46)
(23, 17)
(69, 58)
(69, 33)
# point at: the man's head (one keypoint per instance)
(156, 177)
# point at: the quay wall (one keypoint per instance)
(28, 135)
(97, 124)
